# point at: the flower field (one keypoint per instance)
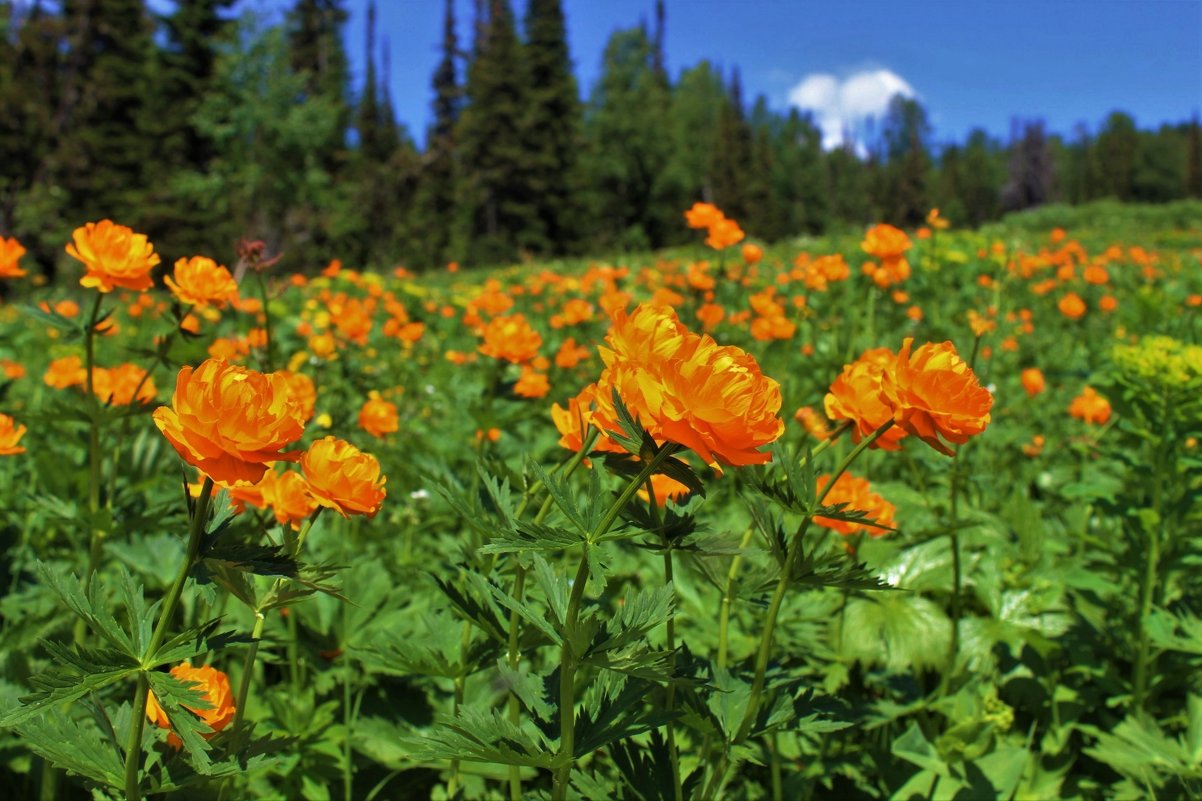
(884, 514)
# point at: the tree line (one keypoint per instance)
(200, 129)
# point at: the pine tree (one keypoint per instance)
(906, 198)
(437, 186)
(552, 125)
(800, 180)
(732, 154)
(1117, 144)
(499, 211)
(627, 151)
(1193, 164)
(697, 102)
(981, 179)
(1031, 176)
(102, 148)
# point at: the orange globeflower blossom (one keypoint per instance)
(378, 417)
(570, 354)
(66, 372)
(703, 215)
(200, 281)
(574, 421)
(1035, 446)
(710, 314)
(214, 687)
(532, 384)
(289, 497)
(10, 435)
(230, 421)
(11, 252)
(114, 256)
(885, 242)
(1108, 303)
(687, 389)
(665, 488)
(856, 395)
(117, 385)
(936, 396)
(343, 478)
(303, 391)
(11, 369)
(752, 254)
(724, 233)
(858, 496)
(935, 221)
(1033, 381)
(1090, 407)
(1071, 306)
(511, 339)
(814, 424)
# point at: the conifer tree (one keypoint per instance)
(437, 186)
(1193, 164)
(732, 154)
(552, 125)
(697, 102)
(499, 212)
(627, 150)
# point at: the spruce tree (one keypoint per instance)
(981, 180)
(697, 102)
(1193, 164)
(732, 154)
(552, 125)
(499, 211)
(627, 151)
(437, 185)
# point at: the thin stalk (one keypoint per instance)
(567, 671)
(133, 751)
(778, 596)
(953, 650)
(266, 322)
(728, 598)
(1143, 657)
(348, 722)
(515, 658)
(774, 767)
(96, 535)
(670, 700)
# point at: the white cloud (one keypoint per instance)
(844, 105)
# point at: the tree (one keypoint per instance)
(436, 191)
(732, 154)
(907, 163)
(697, 102)
(981, 178)
(552, 125)
(627, 151)
(801, 179)
(1117, 144)
(1031, 177)
(499, 213)
(1193, 164)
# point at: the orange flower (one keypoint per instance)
(343, 478)
(724, 233)
(12, 370)
(117, 385)
(1035, 446)
(665, 488)
(511, 339)
(710, 314)
(214, 687)
(1033, 381)
(66, 372)
(935, 221)
(935, 394)
(570, 354)
(114, 256)
(1108, 303)
(573, 422)
(885, 242)
(230, 421)
(532, 384)
(1090, 407)
(200, 281)
(703, 215)
(1071, 306)
(858, 496)
(752, 254)
(687, 389)
(303, 391)
(814, 424)
(856, 395)
(10, 435)
(289, 497)
(10, 254)
(378, 417)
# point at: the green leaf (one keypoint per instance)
(527, 536)
(913, 747)
(75, 674)
(82, 750)
(172, 695)
(484, 736)
(616, 710)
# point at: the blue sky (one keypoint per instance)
(971, 63)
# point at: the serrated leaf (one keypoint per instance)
(484, 736)
(75, 674)
(69, 746)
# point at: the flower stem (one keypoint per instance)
(728, 598)
(133, 751)
(96, 535)
(568, 661)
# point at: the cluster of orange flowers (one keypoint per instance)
(722, 231)
(232, 423)
(888, 246)
(683, 387)
(855, 493)
(930, 393)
